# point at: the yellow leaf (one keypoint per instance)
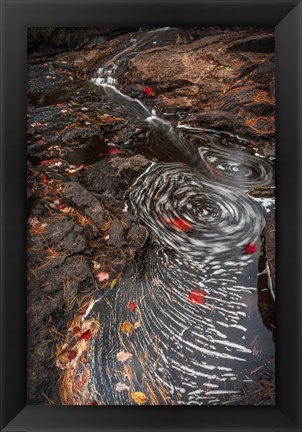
(126, 327)
(114, 283)
(139, 398)
(137, 325)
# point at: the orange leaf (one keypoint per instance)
(114, 151)
(126, 328)
(132, 305)
(139, 398)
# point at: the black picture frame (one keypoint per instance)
(16, 16)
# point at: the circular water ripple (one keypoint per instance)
(228, 159)
(182, 353)
(218, 220)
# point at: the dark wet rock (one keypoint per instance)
(45, 80)
(216, 119)
(40, 306)
(270, 244)
(64, 235)
(263, 73)
(266, 148)
(137, 236)
(116, 234)
(114, 176)
(261, 109)
(260, 44)
(80, 198)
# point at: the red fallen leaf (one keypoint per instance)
(60, 105)
(114, 151)
(86, 335)
(72, 354)
(44, 178)
(178, 223)
(197, 297)
(132, 305)
(62, 206)
(36, 125)
(149, 91)
(249, 248)
(48, 162)
(214, 170)
(76, 330)
(181, 224)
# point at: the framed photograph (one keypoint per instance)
(143, 147)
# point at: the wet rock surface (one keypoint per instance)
(82, 164)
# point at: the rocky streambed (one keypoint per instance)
(88, 240)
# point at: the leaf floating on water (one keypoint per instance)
(102, 276)
(137, 325)
(126, 328)
(114, 283)
(122, 356)
(249, 248)
(178, 223)
(197, 297)
(121, 387)
(86, 335)
(132, 305)
(139, 398)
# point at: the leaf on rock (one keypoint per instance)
(122, 356)
(149, 91)
(139, 398)
(86, 335)
(76, 330)
(197, 297)
(102, 276)
(126, 328)
(114, 151)
(132, 305)
(72, 354)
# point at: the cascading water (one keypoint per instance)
(185, 353)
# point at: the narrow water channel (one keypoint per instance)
(197, 336)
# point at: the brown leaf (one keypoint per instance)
(122, 356)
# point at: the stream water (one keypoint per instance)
(213, 352)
